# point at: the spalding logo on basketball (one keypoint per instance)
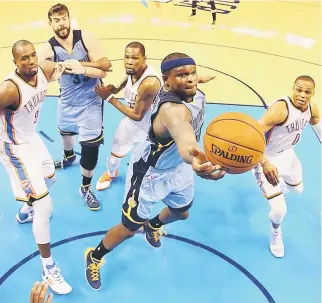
(235, 141)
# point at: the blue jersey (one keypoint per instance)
(75, 90)
(163, 153)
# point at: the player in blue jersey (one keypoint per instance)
(79, 108)
(162, 167)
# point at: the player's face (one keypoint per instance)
(60, 24)
(27, 60)
(134, 61)
(183, 81)
(303, 91)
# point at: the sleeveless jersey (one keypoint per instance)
(163, 153)
(131, 91)
(286, 135)
(18, 126)
(76, 90)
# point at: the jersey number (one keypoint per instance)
(77, 79)
(36, 116)
(297, 139)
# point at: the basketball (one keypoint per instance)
(235, 141)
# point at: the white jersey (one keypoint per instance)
(18, 126)
(131, 91)
(286, 135)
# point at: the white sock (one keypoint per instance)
(26, 209)
(46, 261)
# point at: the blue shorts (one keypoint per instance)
(87, 121)
(147, 185)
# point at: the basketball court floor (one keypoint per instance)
(220, 254)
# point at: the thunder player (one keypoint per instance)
(162, 166)
(22, 152)
(141, 87)
(79, 108)
(283, 123)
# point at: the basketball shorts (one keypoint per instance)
(146, 185)
(127, 135)
(28, 165)
(87, 121)
(289, 168)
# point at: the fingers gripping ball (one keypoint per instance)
(235, 141)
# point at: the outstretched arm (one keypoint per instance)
(53, 71)
(147, 92)
(315, 121)
(275, 115)
(176, 119)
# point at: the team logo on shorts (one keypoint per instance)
(26, 186)
(131, 202)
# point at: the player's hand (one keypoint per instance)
(59, 69)
(205, 79)
(104, 91)
(271, 173)
(38, 293)
(73, 66)
(203, 167)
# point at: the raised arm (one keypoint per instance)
(52, 70)
(147, 92)
(315, 121)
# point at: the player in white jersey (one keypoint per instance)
(141, 84)
(162, 166)
(280, 170)
(22, 152)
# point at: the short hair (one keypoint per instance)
(138, 45)
(18, 44)
(171, 57)
(305, 78)
(57, 8)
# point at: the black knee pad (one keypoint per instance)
(89, 157)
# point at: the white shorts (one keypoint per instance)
(289, 168)
(146, 185)
(28, 165)
(127, 135)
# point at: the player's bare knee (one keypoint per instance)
(180, 215)
(127, 232)
(278, 209)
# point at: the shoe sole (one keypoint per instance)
(58, 293)
(23, 222)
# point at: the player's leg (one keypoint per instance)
(135, 212)
(125, 138)
(213, 11)
(179, 189)
(25, 214)
(24, 166)
(293, 176)
(278, 210)
(194, 8)
(91, 136)
(67, 116)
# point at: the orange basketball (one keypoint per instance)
(235, 141)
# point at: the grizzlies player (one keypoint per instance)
(280, 169)
(162, 167)
(79, 108)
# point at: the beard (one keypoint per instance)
(60, 34)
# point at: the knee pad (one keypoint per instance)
(89, 157)
(40, 226)
(297, 189)
(50, 181)
(278, 209)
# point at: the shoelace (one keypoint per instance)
(157, 234)
(94, 268)
(55, 274)
(90, 198)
